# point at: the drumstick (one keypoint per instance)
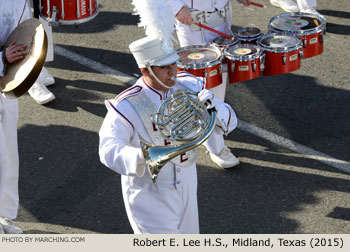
(213, 30)
(257, 4)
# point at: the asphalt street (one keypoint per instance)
(65, 189)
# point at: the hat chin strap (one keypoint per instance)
(159, 81)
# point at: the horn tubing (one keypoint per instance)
(157, 156)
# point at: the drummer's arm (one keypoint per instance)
(181, 11)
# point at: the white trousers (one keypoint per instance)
(161, 208)
(9, 163)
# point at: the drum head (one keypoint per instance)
(223, 41)
(21, 75)
(248, 32)
(198, 55)
(279, 41)
(295, 22)
(243, 52)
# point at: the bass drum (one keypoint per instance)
(202, 61)
(282, 53)
(308, 27)
(68, 12)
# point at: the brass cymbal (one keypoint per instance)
(21, 75)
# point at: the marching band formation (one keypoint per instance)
(152, 130)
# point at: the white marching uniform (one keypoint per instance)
(187, 36)
(306, 4)
(11, 13)
(170, 205)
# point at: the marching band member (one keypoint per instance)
(12, 13)
(170, 205)
(216, 14)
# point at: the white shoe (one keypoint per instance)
(40, 93)
(9, 227)
(45, 77)
(287, 5)
(225, 159)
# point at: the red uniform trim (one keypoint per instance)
(127, 93)
(121, 114)
(151, 88)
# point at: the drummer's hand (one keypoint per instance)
(184, 16)
(244, 2)
(15, 52)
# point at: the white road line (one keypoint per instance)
(244, 126)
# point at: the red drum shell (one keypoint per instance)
(308, 27)
(281, 58)
(274, 62)
(70, 11)
(208, 64)
(245, 67)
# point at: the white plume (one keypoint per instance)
(157, 18)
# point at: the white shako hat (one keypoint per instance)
(150, 51)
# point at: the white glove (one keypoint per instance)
(207, 97)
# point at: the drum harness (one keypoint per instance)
(211, 19)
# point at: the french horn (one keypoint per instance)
(181, 118)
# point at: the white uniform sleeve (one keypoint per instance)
(2, 66)
(116, 150)
(175, 6)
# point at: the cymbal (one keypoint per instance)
(21, 75)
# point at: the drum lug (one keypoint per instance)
(220, 69)
(284, 58)
(304, 42)
(205, 75)
(54, 17)
(254, 66)
(90, 9)
(321, 37)
(232, 67)
(301, 53)
(62, 12)
(262, 62)
(78, 9)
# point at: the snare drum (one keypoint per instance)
(223, 43)
(248, 35)
(244, 62)
(202, 61)
(309, 27)
(282, 53)
(68, 12)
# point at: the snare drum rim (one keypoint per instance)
(194, 66)
(310, 31)
(280, 49)
(243, 57)
(248, 38)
